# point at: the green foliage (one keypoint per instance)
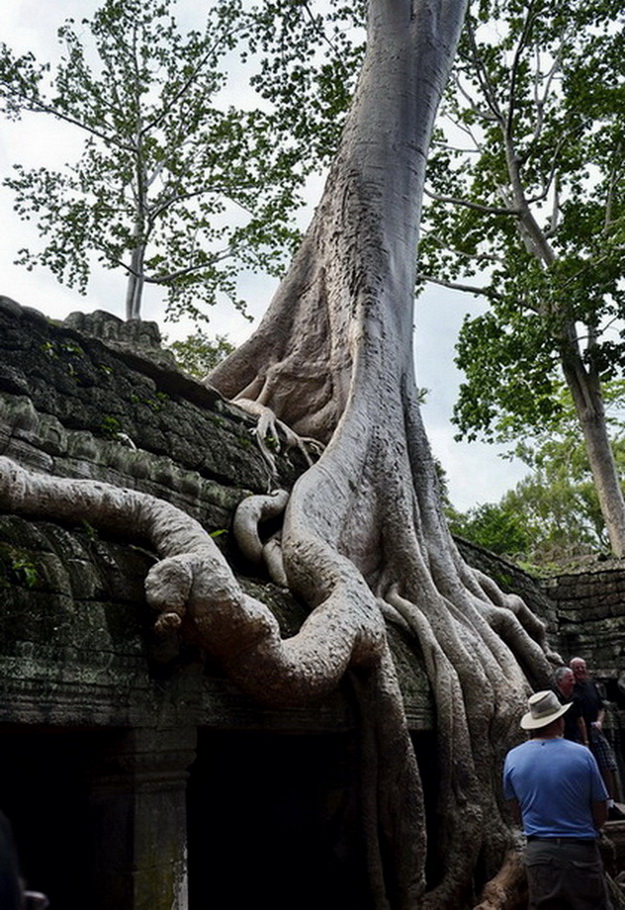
(552, 517)
(544, 523)
(89, 530)
(308, 61)
(493, 526)
(18, 568)
(110, 426)
(198, 354)
(26, 572)
(175, 186)
(528, 180)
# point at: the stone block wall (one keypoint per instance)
(590, 611)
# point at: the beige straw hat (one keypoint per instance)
(543, 708)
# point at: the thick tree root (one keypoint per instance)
(193, 590)
(250, 513)
(508, 889)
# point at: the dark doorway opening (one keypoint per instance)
(273, 821)
(44, 791)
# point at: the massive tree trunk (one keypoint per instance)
(333, 359)
(364, 536)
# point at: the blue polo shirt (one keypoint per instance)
(555, 781)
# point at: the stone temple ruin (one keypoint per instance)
(135, 775)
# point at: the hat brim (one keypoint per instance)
(528, 722)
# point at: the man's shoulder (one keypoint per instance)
(586, 687)
(557, 746)
(513, 757)
(567, 745)
(520, 748)
(574, 757)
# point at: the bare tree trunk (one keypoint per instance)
(134, 287)
(585, 391)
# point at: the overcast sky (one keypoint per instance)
(476, 473)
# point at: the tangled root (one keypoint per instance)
(508, 889)
(270, 427)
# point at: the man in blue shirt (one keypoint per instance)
(554, 789)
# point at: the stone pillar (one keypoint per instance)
(138, 801)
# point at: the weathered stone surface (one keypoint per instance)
(590, 609)
(77, 611)
(118, 411)
(57, 383)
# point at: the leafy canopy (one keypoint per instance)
(176, 185)
(198, 354)
(528, 185)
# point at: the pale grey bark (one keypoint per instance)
(333, 359)
(135, 284)
(585, 388)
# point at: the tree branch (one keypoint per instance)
(527, 25)
(540, 102)
(456, 286)
(189, 270)
(184, 88)
(476, 206)
(40, 107)
(479, 258)
(482, 73)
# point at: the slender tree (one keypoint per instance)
(364, 537)
(528, 210)
(175, 186)
(552, 516)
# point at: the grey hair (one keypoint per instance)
(560, 673)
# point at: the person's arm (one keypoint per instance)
(598, 723)
(583, 732)
(600, 718)
(515, 811)
(599, 812)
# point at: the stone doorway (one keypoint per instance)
(45, 787)
(273, 821)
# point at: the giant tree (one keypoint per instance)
(364, 540)
(174, 186)
(529, 193)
